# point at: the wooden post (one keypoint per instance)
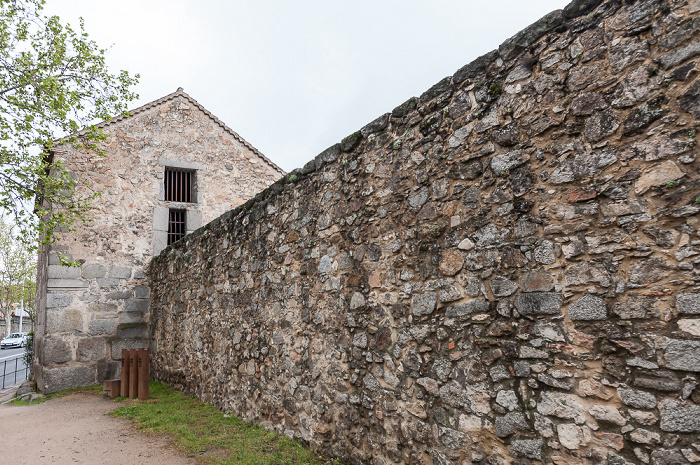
(133, 374)
(111, 388)
(124, 391)
(144, 374)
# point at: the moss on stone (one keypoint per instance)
(405, 108)
(349, 143)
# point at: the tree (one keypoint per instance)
(53, 83)
(17, 272)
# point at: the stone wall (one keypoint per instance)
(502, 270)
(86, 315)
(27, 325)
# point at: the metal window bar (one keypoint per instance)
(11, 378)
(178, 185)
(176, 225)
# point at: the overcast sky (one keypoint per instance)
(293, 77)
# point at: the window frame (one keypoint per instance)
(177, 225)
(180, 185)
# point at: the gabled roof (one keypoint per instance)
(181, 93)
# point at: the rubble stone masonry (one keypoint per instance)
(504, 270)
(87, 314)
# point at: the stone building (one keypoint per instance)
(170, 167)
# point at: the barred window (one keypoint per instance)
(179, 185)
(176, 225)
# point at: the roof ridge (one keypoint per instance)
(180, 92)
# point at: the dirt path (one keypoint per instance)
(77, 429)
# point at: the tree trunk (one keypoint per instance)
(8, 321)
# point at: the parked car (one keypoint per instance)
(14, 340)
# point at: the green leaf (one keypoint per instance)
(54, 82)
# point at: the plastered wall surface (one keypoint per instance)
(503, 270)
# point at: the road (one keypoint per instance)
(11, 360)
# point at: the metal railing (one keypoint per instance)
(13, 370)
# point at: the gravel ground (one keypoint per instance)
(77, 429)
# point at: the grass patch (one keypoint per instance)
(96, 389)
(201, 431)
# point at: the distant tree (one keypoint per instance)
(17, 272)
(28, 293)
(53, 83)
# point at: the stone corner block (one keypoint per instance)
(55, 260)
(64, 321)
(66, 284)
(142, 292)
(92, 349)
(120, 344)
(60, 378)
(136, 305)
(133, 331)
(130, 318)
(56, 350)
(102, 327)
(62, 272)
(94, 271)
(120, 272)
(58, 300)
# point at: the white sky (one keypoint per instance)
(294, 77)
